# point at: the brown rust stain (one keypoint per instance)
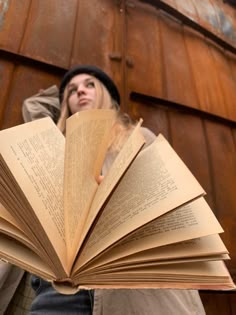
(4, 6)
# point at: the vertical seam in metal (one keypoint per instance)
(163, 67)
(124, 53)
(8, 94)
(190, 67)
(25, 26)
(74, 33)
(169, 128)
(163, 74)
(210, 167)
(232, 77)
(218, 76)
(228, 111)
(234, 138)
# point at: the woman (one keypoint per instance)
(83, 88)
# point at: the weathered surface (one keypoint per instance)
(149, 52)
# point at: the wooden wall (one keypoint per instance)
(181, 82)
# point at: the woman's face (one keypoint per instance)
(81, 93)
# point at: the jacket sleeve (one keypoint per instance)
(43, 104)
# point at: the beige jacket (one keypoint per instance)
(122, 301)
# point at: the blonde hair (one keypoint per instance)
(122, 126)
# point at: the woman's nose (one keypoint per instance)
(80, 89)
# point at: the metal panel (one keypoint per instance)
(62, 34)
(94, 36)
(154, 117)
(13, 18)
(214, 81)
(179, 82)
(205, 74)
(232, 64)
(222, 152)
(19, 89)
(6, 69)
(218, 303)
(144, 68)
(177, 63)
(227, 81)
(49, 33)
(97, 37)
(188, 139)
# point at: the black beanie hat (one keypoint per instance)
(94, 71)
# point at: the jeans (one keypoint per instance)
(49, 301)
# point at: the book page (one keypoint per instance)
(188, 222)
(109, 269)
(131, 148)
(34, 153)
(4, 214)
(12, 231)
(87, 139)
(203, 248)
(135, 265)
(9, 231)
(156, 183)
(194, 275)
(17, 254)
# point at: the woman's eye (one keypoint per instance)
(90, 84)
(72, 91)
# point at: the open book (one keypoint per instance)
(146, 225)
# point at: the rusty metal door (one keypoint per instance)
(174, 63)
